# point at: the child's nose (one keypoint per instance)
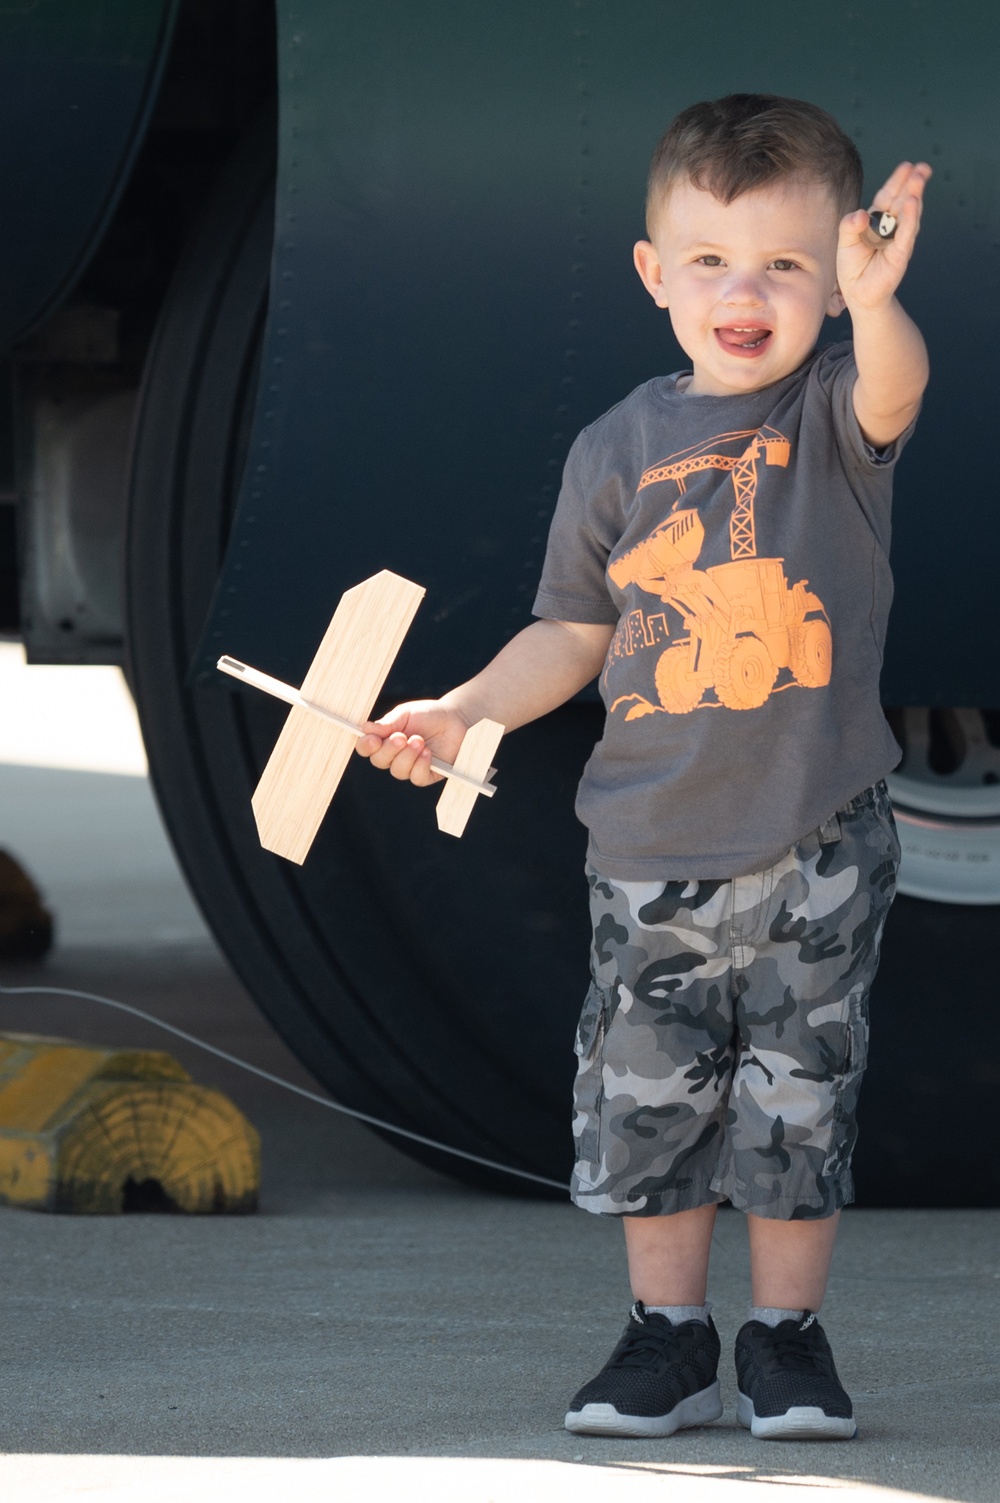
(743, 291)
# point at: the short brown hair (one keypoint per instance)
(746, 141)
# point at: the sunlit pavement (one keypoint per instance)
(446, 1480)
(378, 1331)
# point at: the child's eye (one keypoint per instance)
(709, 260)
(784, 265)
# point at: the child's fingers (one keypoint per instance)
(406, 758)
(413, 763)
(368, 745)
(906, 183)
(384, 750)
(395, 721)
(902, 178)
(893, 186)
(400, 743)
(903, 203)
(377, 733)
(906, 208)
(854, 229)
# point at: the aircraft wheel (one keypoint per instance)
(933, 1008)
(946, 795)
(439, 993)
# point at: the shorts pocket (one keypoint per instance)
(844, 1126)
(588, 1091)
(884, 874)
(857, 1033)
(592, 1022)
(883, 823)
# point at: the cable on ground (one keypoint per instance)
(242, 1064)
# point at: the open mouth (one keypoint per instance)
(749, 339)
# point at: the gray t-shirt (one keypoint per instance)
(740, 547)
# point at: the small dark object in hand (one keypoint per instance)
(883, 223)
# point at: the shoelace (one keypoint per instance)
(797, 1352)
(641, 1349)
(642, 1346)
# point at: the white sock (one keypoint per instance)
(771, 1315)
(678, 1313)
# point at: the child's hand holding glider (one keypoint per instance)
(406, 739)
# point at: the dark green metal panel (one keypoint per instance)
(459, 190)
(77, 83)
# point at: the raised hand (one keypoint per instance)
(869, 269)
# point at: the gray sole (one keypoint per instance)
(796, 1424)
(604, 1419)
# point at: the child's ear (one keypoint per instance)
(836, 305)
(647, 264)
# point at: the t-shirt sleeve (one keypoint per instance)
(868, 470)
(573, 585)
(838, 373)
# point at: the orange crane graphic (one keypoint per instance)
(745, 622)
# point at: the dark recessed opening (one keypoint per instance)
(947, 744)
(146, 1195)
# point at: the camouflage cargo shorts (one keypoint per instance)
(725, 1032)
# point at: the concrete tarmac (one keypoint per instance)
(378, 1331)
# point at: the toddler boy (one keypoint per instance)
(719, 555)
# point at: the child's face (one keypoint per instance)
(748, 284)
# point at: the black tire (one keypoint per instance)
(433, 983)
(927, 1133)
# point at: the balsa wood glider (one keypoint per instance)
(337, 694)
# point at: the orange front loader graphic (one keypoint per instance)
(745, 622)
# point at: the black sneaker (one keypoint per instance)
(659, 1378)
(788, 1385)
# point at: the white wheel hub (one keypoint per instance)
(946, 797)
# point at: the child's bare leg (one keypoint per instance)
(668, 1256)
(663, 1374)
(790, 1261)
(787, 1380)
